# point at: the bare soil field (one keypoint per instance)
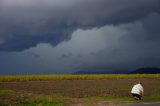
(100, 92)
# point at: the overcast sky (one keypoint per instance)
(65, 36)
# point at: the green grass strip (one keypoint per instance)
(10, 78)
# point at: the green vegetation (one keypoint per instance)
(147, 99)
(47, 101)
(73, 77)
(34, 100)
(6, 91)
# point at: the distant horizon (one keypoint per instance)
(90, 72)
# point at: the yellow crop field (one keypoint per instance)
(10, 78)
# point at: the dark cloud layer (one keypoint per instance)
(24, 24)
(132, 46)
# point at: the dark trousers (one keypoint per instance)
(137, 96)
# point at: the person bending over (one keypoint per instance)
(137, 91)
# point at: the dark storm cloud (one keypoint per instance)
(32, 54)
(152, 25)
(24, 24)
(138, 47)
(64, 56)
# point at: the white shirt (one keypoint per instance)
(137, 89)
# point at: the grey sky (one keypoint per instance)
(64, 36)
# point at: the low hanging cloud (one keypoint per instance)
(24, 24)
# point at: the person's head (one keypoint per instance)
(140, 82)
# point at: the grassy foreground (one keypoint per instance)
(74, 90)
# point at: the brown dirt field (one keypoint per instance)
(79, 89)
(83, 88)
